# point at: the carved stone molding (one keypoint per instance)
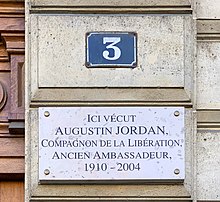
(17, 88)
(11, 64)
(11, 28)
(12, 9)
(208, 30)
(3, 52)
(3, 96)
(111, 6)
(14, 42)
(11, 90)
(208, 119)
(12, 59)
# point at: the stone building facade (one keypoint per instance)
(12, 45)
(178, 46)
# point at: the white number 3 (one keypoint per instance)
(113, 41)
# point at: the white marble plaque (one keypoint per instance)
(111, 143)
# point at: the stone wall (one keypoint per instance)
(177, 51)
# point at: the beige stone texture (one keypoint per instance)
(111, 7)
(208, 75)
(56, 76)
(112, 2)
(208, 165)
(208, 9)
(208, 119)
(58, 59)
(210, 26)
(61, 56)
(208, 30)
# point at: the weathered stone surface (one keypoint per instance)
(112, 2)
(60, 46)
(208, 9)
(208, 75)
(57, 75)
(208, 165)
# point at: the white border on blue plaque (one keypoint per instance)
(111, 144)
(111, 49)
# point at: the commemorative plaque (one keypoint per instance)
(82, 144)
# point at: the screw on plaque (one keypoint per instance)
(176, 113)
(177, 171)
(134, 65)
(88, 64)
(46, 171)
(46, 113)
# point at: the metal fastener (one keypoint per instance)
(177, 171)
(46, 113)
(176, 113)
(46, 172)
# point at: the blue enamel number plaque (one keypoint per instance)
(111, 49)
